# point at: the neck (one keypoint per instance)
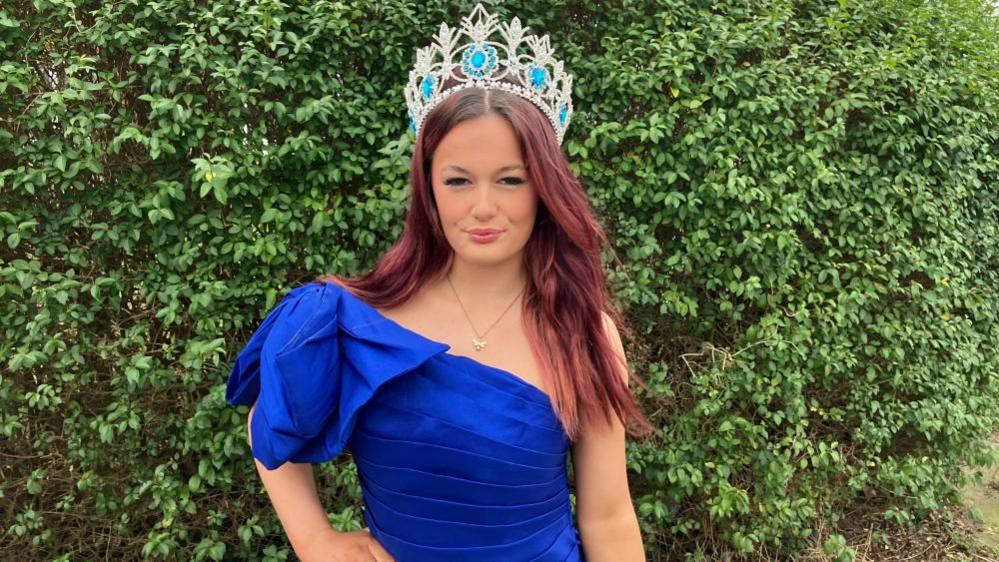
(485, 287)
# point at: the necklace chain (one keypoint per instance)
(478, 340)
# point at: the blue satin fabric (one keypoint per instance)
(457, 460)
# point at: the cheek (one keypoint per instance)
(450, 212)
(445, 206)
(526, 210)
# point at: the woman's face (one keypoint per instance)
(480, 182)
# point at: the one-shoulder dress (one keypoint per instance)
(457, 460)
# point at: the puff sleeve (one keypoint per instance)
(290, 367)
(316, 359)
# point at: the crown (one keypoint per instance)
(484, 64)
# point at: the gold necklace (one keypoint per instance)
(478, 341)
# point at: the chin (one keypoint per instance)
(487, 253)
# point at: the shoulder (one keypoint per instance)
(310, 291)
(298, 311)
(306, 301)
(614, 337)
(301, 305)
(608, 321)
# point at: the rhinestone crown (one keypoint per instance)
(484, 63)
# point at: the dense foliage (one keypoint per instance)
(803, 196)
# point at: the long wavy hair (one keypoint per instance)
(566, 290)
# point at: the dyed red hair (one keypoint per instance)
(566, 290)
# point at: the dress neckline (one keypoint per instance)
(396, 325)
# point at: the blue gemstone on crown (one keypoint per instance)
(563, 111)
(478, 60)
(539, 77)
(428, 86)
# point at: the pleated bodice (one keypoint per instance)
(457, 460)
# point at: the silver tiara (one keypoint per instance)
(539, 76)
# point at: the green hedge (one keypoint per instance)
(803, 195)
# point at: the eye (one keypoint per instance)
(458, 181)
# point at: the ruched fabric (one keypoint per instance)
(457, 460)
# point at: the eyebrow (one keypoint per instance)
(503, 169)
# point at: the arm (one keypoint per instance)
(291, 488)
(606, 517)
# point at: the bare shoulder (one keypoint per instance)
(614, 336)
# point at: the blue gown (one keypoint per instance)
(457, 460)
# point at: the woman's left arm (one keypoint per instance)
(605, 514)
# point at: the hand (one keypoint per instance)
(331, 545)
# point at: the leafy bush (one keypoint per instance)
(804, 194)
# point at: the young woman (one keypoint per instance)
(479, 351)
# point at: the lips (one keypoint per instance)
(484, 231)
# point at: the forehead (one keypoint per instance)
(483, 143)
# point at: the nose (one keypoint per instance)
(485, 205)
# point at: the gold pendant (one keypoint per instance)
(479, 344)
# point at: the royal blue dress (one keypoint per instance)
(457, 460)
